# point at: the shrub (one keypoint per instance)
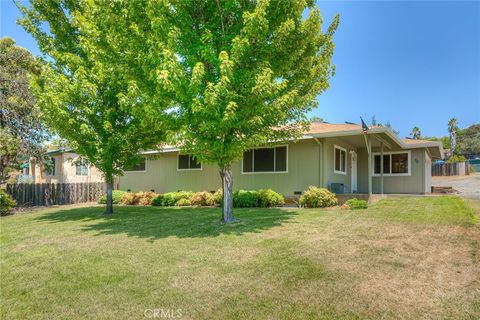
(116, 197)
(6, 203)
(183, 202)
(158, 200)
(218, 197)
(316, 197)
(356, 204)
(245, 199)
(203, 198)
(130, 198)
(145, 198)
(270, 198)
(183, 195)
(169, 199)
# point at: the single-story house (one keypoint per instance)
(340, 157)
(62, 166)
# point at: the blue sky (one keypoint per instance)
(413, 63)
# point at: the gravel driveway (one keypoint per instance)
(465, 186)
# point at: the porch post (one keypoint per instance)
(381, 168)
(369, 150)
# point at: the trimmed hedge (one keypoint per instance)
(116, 197)
(245, 199)
(170, 199)
(202, 198)
(262, 198)
(6, 203)
(356, 204)
(316, 197)
(269, 198)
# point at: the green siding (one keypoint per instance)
(162, 175)
(304, 167)
(415, 183)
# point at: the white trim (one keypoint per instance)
(345, 158)
(139, 171)
(81, 175)
(274, 161)
(408, 174)
(189, 156)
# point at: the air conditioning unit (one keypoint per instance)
(337, 188)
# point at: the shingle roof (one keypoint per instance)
(322, 127)
(416, 141)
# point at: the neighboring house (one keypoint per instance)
(63, 166)
(334, 156)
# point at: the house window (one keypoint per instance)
(188, 162)
(141, 166)
(50, 165)
(265, 160)
(395, 163)
(340, 160)
(81, 167)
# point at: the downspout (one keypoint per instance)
(320, 162)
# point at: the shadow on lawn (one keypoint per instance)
(157, 222)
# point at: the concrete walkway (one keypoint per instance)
(465, 186)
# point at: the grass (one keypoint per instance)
(408, 257)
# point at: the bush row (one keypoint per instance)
(241, 198)
(314, 197)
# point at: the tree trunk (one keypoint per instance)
(109, 209)
(227, 186)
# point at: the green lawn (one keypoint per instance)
(401, 258)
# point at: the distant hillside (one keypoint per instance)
(468, 140)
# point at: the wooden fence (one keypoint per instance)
(450, 169)
(47, 194)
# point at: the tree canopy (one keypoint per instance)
(21, 132)
(84, 89)
(246, 75)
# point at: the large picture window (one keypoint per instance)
(188, 162)
(265, 160)
(396, 163)
(141, 166)
(81, 167)
(340, 160)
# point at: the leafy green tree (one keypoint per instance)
(416, 134)
(84, 89)
(452, 130)
(468, 140)
(242, 73)
(21, 133)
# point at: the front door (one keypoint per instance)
(353, 155)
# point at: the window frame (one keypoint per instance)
(84, 162)
(335, 147)
(274, 161)
(139, 171)
(409, 164)
(189, 169)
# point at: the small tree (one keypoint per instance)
(243, 73)
(416, 134)
(83, 89)
(452, 130)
